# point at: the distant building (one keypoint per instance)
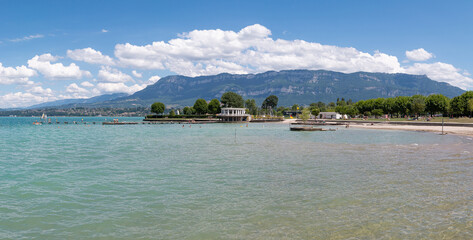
(329, 115)
(234, 115)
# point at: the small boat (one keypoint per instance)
(44, 116)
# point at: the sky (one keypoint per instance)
(52, 50)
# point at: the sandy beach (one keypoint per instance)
(457, 130)
(465, 131)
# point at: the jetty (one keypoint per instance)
(119, 123)
(298, 127)
(116, 122)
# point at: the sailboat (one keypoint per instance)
(44, 116)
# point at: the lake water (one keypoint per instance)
(229, 181)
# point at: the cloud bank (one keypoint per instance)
(252, 50)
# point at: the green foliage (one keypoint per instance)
(341, 102)
(389, 105)
(157, 107)
(172, 113)
(341, 109)
(188, 110)
(200, 106)
(402, 105)
(214, 106)
(231, 99)
(464, 100)
(314, 111)
(270, 102)
(436, 103)
(351, 111)
(469, 106)
(377, 112)
(250, 104)
(417, 104)
(295, 107)
(305, 115)
(320, 105)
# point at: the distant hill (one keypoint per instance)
(67, 103)
(291, 86)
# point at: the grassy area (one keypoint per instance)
(453, 120)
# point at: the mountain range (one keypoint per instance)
(291, 87)
(70, 103)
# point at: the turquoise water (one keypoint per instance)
(229, 181)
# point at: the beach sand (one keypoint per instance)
(465, 131)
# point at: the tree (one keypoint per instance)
(250, 104)
(341, 109)
(402, 105)
(320, 105)
(157, 107)
(214, 106)
(464, 101)
(341, 102)
(388, 106)
(231, 99)
(172, 113)
(436, 103)
(270, 102)
(188, 110)
(295, 107)
(455, 106)
(470, 106)
(377, 112)
(417, 104)
(200, 106)
(315, 111)
(305, 115)
(352, 110)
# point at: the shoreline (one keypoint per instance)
(423, 127)
(454, 130)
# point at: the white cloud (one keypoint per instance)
(153, 79)
(419, 55)
(26, 38)
(86, 84)
(137, 74)
(112, 75)
(34, 95)
(17, 75)
(56, 71)
(104, 30)
(252, 50)
(442, 72)
(74, 88)
(119, 87)
(41, 91)
(204, 52)
(90, 55)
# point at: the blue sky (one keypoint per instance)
(53, 50)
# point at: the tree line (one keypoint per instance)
(400, 106)
(415, 105)
(228, 99)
